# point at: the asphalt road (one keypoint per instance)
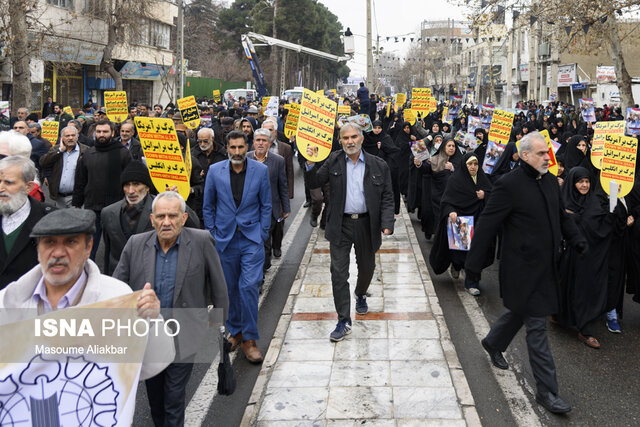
(601, 385)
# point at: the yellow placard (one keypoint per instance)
(344, 111)
(410, 116)
(388, 107)
(216, 95)
(501, 124)
(553, 163)
(401, 98)
(445, 113)
(189, 111)
(50, 131)
(334, 92)
(291, 125)
(433, 104)
(320, 92)
(162, 150)
(600, 131)
(420, 102)
(265, 102)
(115, 102)
(619, 163)
(315, 126)
(187, 159)
(68, 110)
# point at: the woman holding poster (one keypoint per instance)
(464, 195)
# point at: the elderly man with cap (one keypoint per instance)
(66, 277)
(19, 213)
(130, 216)
(208, 151)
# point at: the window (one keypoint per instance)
(94, 7)
(160, 33)
(67, 4)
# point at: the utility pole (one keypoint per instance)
(181, 49)
(274, 55)
(509, 87)
(369, 47)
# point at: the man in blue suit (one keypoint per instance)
(237, 213)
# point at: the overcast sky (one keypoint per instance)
(393, 18)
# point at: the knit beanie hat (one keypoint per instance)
(136, 171)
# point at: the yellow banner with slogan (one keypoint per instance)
(401, 98)
(600, 132)
(50, 131)
(501, 124)
(553, 163)
(68, 110)
(410, 116)
(189, 111)
(291, 125)
(216, 95)
(315, 126)
(162, 150)
(619, 163)
(115, 102)
(420, 100)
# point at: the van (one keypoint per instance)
(293, 95)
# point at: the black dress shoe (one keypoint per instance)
(306, 204)
(277, 253)
(553, 403)
(496, 357)
(314, 221)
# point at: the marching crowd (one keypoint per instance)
(241, 183)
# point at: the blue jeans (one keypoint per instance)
(242, 262)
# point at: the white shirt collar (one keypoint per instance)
(11, 222)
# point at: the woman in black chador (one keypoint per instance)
(465, 195)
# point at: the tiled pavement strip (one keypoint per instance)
(398, 367)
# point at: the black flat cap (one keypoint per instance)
(65, 222)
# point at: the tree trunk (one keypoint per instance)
(275, 78)
(107, 57)
(19, 55)
(622, 75)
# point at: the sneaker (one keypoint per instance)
(342, 329)
(474, 291)
(455, 274)
(361, 304)
(614, 326)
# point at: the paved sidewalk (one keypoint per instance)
(398, 367)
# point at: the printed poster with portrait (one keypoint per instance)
(632, 120)
(587, 110)
(460, 233)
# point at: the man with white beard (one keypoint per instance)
(19, 213)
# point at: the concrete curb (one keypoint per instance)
(465, 398)
(257, 395)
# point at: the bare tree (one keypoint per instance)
(19, 52)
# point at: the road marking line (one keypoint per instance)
(207, 390)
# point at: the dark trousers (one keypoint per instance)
(507, 326)
(96, 236)
(356, 232)
(277, 235)
(166, 392)
(319, 196)
(268, 246)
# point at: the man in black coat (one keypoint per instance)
(208, 150)
(361, 206)
(527, 206)
(18, 214)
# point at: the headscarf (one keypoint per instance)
(505, 162)
(439, 159)
(573, 200)
(461, 189)
(572, 155)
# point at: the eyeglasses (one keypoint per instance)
(203, 141)
(2, 156)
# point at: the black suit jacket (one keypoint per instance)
(286, 152)
(24, 254)
(530, 213)
(377, 190)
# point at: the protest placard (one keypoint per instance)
(460, 233)
(445, 113)
(433, 104)
(553, 163)
(68, 110)
(344, 111)
(486, 114)
(420, 100)
(474, 123)
(315, 126)
(500, 128)
(388, 106)
(4, 109)
(632, 122)
(401, 98)
(162, 150)
(587, 110)
(291, 125)
(600, 131)
(216, 95)
(271, 110)
(619, 163)
(420, 150)
(189, 111)
(115, 102)
(50, 131)
(362, 120)
(410, 116)
(320, 92)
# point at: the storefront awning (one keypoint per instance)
(142, 71)
(58, 49)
